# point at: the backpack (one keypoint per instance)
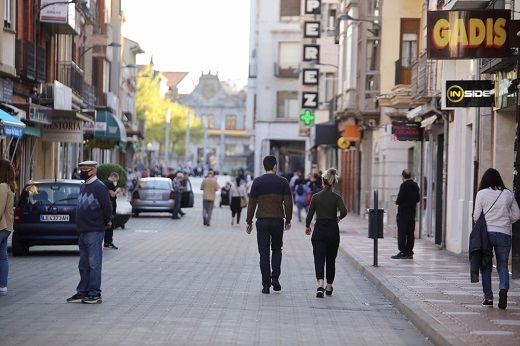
(299, 190)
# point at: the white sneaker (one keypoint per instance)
(3, 291)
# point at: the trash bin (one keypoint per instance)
(373, 227)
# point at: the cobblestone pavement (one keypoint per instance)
(177, 282)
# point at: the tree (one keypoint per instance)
(152, 108)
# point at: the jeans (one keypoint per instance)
(4, 263)
(502, 244)
(405, 232)
(269, 233)
(207, 210)
(325, 245)
(177, 204)
(90, 262)
(300, 206)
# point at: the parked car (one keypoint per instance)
(155, 194)
(46, 214)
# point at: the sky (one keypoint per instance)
(195, 36)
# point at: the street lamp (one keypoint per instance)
(317, 62)
(113, 44)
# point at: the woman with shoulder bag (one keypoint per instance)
(501, 211)
(7, 189)
(237, 192)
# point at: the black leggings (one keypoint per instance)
(235, 207)
(325, 244)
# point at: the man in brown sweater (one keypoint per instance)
(272, 194)
(209, 186)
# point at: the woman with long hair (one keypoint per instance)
(236, 192)
(500, 211)
(325, 237)
(7, 189)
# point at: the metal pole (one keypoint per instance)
(187, 150)
(376, 235)
(515, 241)
(143, 141)
(167, 139)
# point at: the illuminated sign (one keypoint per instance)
(469, 93)
(406, 131)
(307, 117)
(468, 34)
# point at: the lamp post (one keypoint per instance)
(167, 138)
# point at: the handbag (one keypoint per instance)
(243, 200)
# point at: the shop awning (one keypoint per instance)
(11, 126)
(114, 129)
(20, 113)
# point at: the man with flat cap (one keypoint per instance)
(92, 218)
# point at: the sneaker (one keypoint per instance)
(111, 246)
(265, 290)
(502, 300)
(92, 300)
(3, 291)
(77, 298)
(276, 284)
(400, 255)
(408, 257)
(487, 302)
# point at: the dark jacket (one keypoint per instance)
(480, 249)
(408, 197)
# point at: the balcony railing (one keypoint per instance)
(424, 78)
(71, 75)
(286, 72)
(89, 95)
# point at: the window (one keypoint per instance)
(8, 21)
(211, 121)
(372, 55)
(231, 122)
(409, 49)
(230, 149)
(287, 105)
(289, 57)
(290, 9)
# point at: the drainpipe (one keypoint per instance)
(436, 95)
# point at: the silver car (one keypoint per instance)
(153, 194)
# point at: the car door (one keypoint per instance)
(187, 198)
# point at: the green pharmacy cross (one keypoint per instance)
(307, 117)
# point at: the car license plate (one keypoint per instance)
(54, 218)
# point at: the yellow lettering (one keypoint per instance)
(476, 32)
(458, 35)
(441, 34)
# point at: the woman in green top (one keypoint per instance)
(325, 238)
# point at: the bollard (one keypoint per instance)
(375, 225)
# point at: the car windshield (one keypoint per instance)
(49, 193)
(155, 184)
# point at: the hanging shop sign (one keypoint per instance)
(468, 34)
(504, 98)
(406, 131)
(469, 93)
(311, 76)
(312, 6)
(311, 29)
(311, 52)
(352, 133)
(310, 100)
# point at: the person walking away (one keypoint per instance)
(271, 197)
(177, 195)
(224, 195)
(7, 189)
(92, 218)
(236, 192)
(501, 211)
(209, 186)
(406, 202)
(113, 190)
(300, 197)
(325, 238)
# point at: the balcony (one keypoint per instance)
(424, 78)
(286, 71)
(71, 75)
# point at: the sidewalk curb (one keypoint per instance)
(433, 330)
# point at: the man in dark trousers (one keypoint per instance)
(407, 199)
(273, 196)
(113, 190)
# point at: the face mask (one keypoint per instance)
(84, 175)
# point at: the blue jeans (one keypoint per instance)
(4, 263)
(90, 262)
(502, 244)
(269, 233)
(177, 204)
(300, 206)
